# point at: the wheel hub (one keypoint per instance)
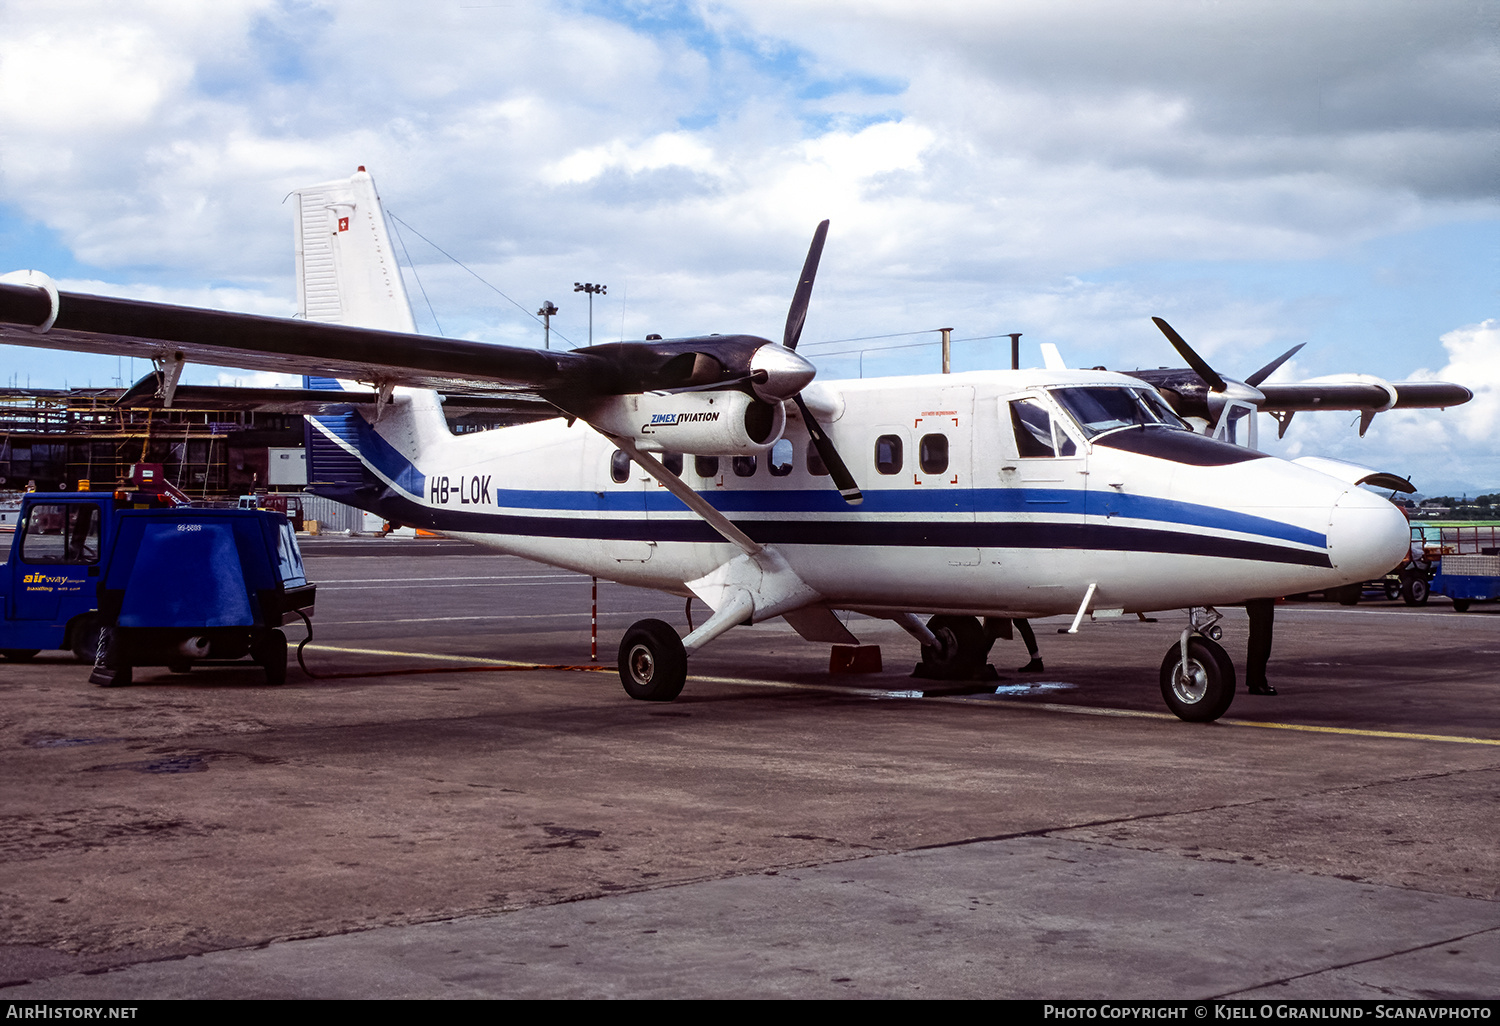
(642, 666)
(1190, 682)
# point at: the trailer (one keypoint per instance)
(1468, 578)
(188, 586)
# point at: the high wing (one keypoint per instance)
(40, 316)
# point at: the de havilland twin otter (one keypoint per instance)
(717, 467)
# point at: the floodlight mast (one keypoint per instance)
(592, 290)
(545, 313)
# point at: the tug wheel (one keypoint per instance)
(1415, 591)
(653, 663)
(1201, 691)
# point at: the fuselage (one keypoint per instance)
(986, 493)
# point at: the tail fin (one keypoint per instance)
(346, 268)
(347, 274)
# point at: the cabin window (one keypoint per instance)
(61, 534)
(744, 466)
(706, 466)
(888, 458)
(673, 462)
(619, 467)
(813, 460)
(780, 463)
(932, 454)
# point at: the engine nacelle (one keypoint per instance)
(699, 423)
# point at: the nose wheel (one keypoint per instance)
(653, 663)
(1200, 689)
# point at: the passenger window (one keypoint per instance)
(61, 534)
(932, 454)
(780, 463)
(814, 461)
(672, 461)
(706, 466)
(619, 467)
(1033, 428)
(888, 457)
(744, 466)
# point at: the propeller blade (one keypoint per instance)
(830, 456)
(798, 313)
(1199, 365)
(1270, 368)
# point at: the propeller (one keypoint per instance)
(1200, 366)
(1220, 390)
(795, 318)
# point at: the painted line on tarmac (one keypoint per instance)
(428, 655)
(1075, 710)
(1356, 732)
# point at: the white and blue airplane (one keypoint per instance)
(718, 467)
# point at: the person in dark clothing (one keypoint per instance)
(1258, 654)
(1035, 666)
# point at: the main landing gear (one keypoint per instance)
(1197, 676)
(653, 662)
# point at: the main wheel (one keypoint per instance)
(961, 648)
(269, 650)
(85, 639)
(1414, 591)
(1201, 691)
(653, 664)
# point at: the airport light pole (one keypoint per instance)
(592, 290)
(545, 313)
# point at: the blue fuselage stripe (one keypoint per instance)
(978, 502)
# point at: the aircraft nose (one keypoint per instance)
(1367, 535)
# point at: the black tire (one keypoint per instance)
(1348, 595)
(1415, 591)
(19, 655)
(1460, 605)
(270, 652)
(961, 649)
(1209, 689)
(652, 663)
(85, 639)
(1393, 590)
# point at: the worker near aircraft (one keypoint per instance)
(1027, 635)
(1258, 653)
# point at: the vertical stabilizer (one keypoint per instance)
(347, 274)
(346, 268)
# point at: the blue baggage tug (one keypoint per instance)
(127, 579)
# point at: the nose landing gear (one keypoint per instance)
(1197, 675)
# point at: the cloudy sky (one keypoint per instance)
(1259, 173)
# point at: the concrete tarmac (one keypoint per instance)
(480, 828)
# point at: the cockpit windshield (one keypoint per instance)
(1100, 409)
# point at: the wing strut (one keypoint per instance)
(691, 499)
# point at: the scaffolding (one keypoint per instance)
(53, 439)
